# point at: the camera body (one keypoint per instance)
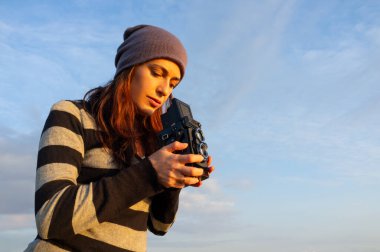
(179, 125)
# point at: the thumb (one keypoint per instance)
(176, 146)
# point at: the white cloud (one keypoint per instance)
(340, 147)
(55, 61)
(207, 217)
(240, 182)
(18, 154)
(339, 62)
(5, 29)
(207, 200)
(374, 35)
(205, 204)
(239, 54)
(320, 111)
(16, 221)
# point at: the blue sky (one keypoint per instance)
(287, 92)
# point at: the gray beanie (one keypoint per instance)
(145, 42)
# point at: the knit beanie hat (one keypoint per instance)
(145, 42)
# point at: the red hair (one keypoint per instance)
(120, 125)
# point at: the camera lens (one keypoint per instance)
(202, 149)
(199, 135)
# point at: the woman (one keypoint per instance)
(101, 180)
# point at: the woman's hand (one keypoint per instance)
(210, 170)
(171, 169)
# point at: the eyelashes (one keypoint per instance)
(157, 72)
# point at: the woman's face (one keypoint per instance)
(152, 84)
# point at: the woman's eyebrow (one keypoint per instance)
(164, 70)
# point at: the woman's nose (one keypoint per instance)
(164, 87)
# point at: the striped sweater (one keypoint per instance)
(86, 202)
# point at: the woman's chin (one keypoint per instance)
(146, 111)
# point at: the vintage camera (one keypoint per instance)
(179, 125)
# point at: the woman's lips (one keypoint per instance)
(155, 103)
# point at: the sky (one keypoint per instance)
(288, 94)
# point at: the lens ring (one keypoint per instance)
(202, 149)
(199, 134)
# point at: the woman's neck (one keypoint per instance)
(140, 150)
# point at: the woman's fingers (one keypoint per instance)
(191, 180)
(210, 168)
(190, 158)
(209, 160)
(198, 184)
(188, 175)
(184, 181)
(190, 171)
(172, 170)
(176, 146)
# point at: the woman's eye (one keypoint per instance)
(174, 84)
(156, 73)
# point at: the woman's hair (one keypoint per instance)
(120, 125)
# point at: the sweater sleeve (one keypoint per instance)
(163, 211)
(63, 207)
